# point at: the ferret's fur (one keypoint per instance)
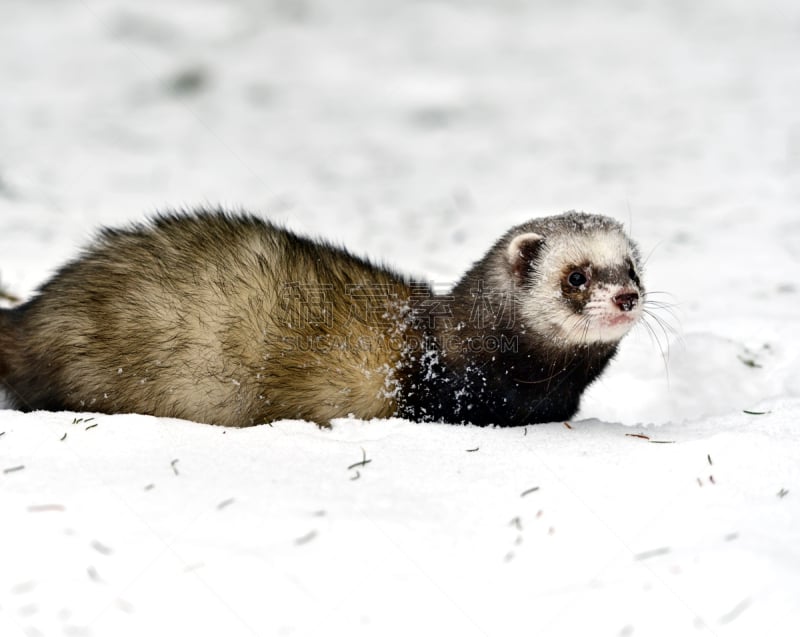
(231, 320)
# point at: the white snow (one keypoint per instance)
(417, 133)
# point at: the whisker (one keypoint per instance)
(665, 326)
(660, 297)
(655, 339)
(652, 251)
(647, 317)
(674, 330)
(666, 330)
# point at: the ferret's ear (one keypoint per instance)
(522, 251)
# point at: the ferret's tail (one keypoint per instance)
(5, 329)
(5, 341)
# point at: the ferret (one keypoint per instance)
(232, 320)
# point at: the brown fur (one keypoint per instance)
(189, 317)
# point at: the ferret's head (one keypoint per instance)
(577, 278)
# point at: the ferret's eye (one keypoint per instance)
(577, 279)
(632, 275)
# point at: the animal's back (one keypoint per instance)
(209, 317)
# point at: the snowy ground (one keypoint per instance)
(416, 132)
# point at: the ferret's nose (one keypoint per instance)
(626, 301)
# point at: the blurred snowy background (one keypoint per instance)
(416, 132)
